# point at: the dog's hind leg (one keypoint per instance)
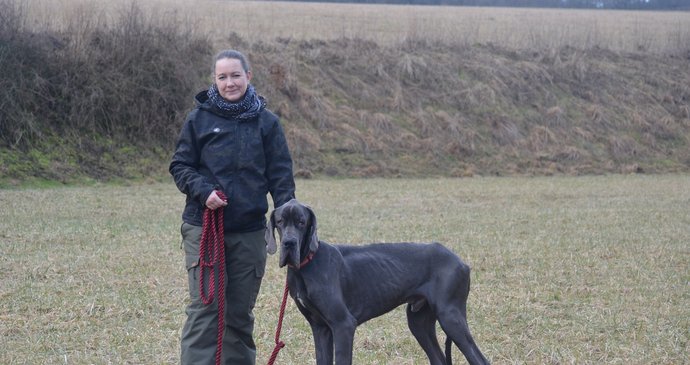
(454, 324)
(422, 324)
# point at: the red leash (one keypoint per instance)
(212, 253)
(279, 344)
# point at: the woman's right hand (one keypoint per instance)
(214, 201)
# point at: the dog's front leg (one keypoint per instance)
(343, 337)
(323, 343)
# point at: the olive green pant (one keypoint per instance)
(245, 261)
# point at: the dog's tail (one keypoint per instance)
(449, 347)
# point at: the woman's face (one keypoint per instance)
(231, 79)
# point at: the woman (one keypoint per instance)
(230, 144)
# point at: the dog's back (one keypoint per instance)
(430, 258)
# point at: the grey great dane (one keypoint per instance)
(338, 287)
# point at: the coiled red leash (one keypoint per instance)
(212, 254)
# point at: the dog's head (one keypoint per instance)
(296, 225)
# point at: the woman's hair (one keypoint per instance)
(230, 53)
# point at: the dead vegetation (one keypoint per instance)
(350, 107)
(657, 32)
(427, 108)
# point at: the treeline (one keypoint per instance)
(582, 4)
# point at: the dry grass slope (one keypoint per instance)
(440, 100)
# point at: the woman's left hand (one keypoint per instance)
(214, 201)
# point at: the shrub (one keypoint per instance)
(125, 83)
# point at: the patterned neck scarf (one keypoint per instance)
(249, 107)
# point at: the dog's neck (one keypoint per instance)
(307, 259)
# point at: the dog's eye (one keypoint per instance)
(301, 223)
(279, 221)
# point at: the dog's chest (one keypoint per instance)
(299, 293)
(301, 301)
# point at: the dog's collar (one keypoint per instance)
(306, 260)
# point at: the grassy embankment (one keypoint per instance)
(361, 90)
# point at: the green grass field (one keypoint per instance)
(566, 270)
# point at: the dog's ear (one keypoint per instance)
(270, 237)
(313, 236)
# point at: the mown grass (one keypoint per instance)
(585, 270)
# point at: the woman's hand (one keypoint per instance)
(214, 201)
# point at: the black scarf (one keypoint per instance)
(249, 107)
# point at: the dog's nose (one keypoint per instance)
(290, 243)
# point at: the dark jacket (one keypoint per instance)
(245, 159)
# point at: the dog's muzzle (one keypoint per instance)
(289, 252)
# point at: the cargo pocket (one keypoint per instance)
(191, 235)
(192, 265)
(259, 271)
